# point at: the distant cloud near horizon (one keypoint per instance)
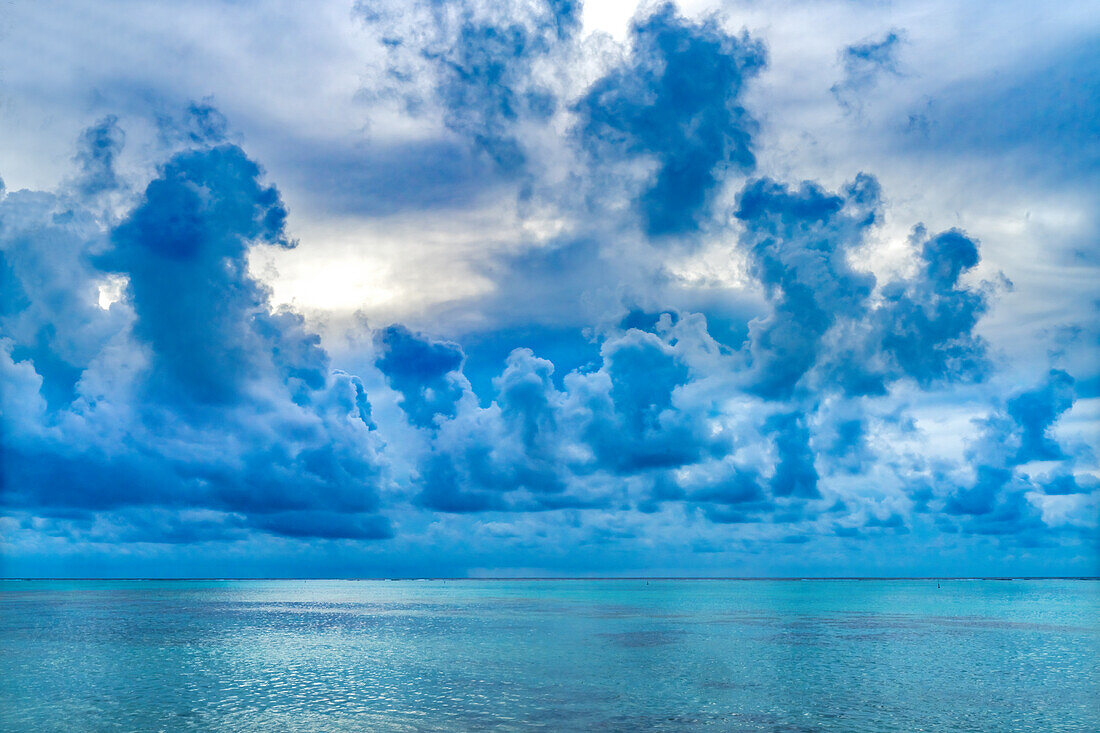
(644, 301)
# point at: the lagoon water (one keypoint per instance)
(312, 655)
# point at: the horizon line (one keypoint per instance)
(566, 577)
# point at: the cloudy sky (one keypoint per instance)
(535, 288)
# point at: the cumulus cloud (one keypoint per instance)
(1014, 463)
(799, 244)
(675, 100)
(802, 244)
(189, 392)
(427, 374)
(825, 385)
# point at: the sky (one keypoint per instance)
(544, 288)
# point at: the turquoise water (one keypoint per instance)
(552, 655)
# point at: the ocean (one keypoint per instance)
(556, 655)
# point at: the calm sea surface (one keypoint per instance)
(553, 655)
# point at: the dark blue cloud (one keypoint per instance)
(481, 61)
(526, 396)
(635, 425)
(640, 320)
(444, 489)
(1067, 484)
(483, 75)
(893, 522)
(795, 474)
(1011, 517)
(1019, 432)
(928, 323)
(59, 376)
(501, 458)
(190, 393)
(644, 373)
(675, 100)
(1033, 414)
(946, 256)
(97, 152)
(849, 448)
(325, 525)
(184, 252)
(425, 372)
(983, 495)
(799, 243)
(534, 446)
(995, 503)
(864, 63)
(733, 497)
(507, 457)
(740, 487)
